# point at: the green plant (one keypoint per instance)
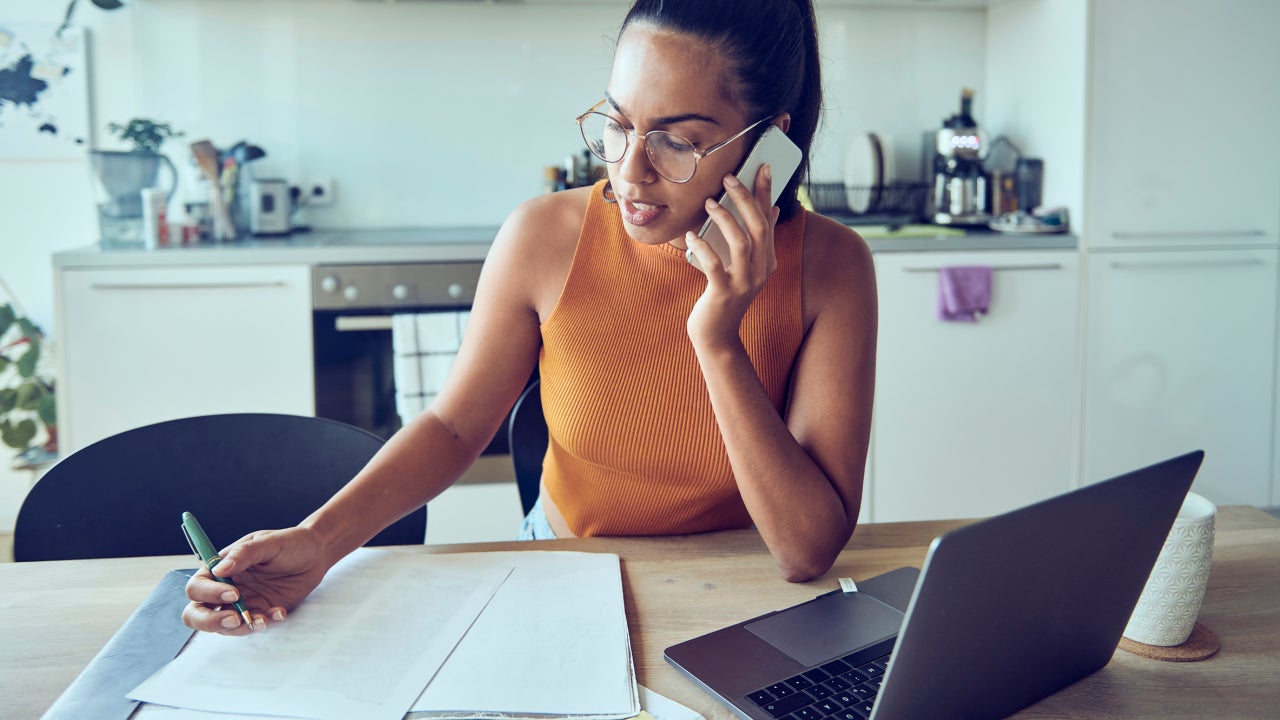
(146, 135)
(26, 398)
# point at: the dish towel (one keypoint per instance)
(964, 292)
(425, 346)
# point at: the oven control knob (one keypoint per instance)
(400, 291)
(329, 283)
(351, 292)
(455, 290)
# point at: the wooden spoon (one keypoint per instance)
(207, 157)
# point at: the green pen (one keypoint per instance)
(208, 555)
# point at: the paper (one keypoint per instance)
(660, 707)
(553, 641)
(362, 645)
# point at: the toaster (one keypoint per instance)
(269, 207)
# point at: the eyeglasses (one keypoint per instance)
(673, 157)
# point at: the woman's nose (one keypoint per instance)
(635, 167)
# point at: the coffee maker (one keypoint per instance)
(961, 195)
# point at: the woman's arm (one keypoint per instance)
(800, 476)
(276, 569)
(497, 356)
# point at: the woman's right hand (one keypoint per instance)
(273, 570)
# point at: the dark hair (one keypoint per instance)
(773, 44)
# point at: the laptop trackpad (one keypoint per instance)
(828, 627)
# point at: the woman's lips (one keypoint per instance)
(640, 214)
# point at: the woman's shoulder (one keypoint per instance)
(551, 217)
(535, 246)
(836, 258)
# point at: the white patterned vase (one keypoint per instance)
(1170, 602)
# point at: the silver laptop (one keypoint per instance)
(1005, 612)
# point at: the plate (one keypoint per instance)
(863, 171)
(1027, 229)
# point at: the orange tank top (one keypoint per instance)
(634, 446)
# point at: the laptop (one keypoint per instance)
(1004, 612)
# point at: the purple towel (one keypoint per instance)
(964, 292)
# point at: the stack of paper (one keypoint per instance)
(517, 634)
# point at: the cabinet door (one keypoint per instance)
(1183, 146)
(974, 419)
(139, 346)
(1181, 356)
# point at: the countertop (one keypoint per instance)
(459, 244)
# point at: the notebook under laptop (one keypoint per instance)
(1005, 612)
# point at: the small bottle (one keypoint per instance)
(551, 179)
(570, 171)
(155, 224)
(585, 176)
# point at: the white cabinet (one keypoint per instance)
(141, 345)
(974, 419)
(1182, 142)
(1181, 355)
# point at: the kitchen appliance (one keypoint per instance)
(269, 206)
(961, 195)
(352, 309)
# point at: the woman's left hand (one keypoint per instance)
(717, 315)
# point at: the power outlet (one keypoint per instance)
(319, 192)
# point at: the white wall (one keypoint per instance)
(1036, 66)
(423, 113)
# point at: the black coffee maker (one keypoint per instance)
(961, 193)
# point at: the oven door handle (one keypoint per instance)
(361, 323)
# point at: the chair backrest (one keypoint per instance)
(124, 495)
(527, 436)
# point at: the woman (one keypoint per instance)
(678, 399)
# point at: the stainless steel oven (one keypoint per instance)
(352, 309)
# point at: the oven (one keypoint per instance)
(355, 363)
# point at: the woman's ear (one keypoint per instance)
(783, 121)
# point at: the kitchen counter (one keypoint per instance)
(461, 244)
(383, 245)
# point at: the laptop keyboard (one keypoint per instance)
(838, 690)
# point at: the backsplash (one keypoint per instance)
(421, 113)
(440, 113)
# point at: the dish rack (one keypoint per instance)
(839, 200)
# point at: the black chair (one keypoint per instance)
(527, 438)
(124, 495)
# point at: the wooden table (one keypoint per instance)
(55, 616)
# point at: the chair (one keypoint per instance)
(527, 438)
(124, 495)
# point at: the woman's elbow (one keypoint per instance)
(806, 567)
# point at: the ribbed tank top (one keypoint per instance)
(634, 446)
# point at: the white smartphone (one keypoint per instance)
(782, 155)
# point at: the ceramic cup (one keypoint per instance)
(1170, 602)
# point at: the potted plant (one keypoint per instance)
(146, 135)
(27, 404)
(124, 175)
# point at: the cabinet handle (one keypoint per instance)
(188, 286)
(998, 268)
(1173, 264)
(1187, 234)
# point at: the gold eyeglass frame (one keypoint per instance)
(630, 134)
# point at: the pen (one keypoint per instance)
(204, 550)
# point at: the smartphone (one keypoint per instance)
(773, 148)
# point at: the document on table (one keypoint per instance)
(553, 641)
(363, 644)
